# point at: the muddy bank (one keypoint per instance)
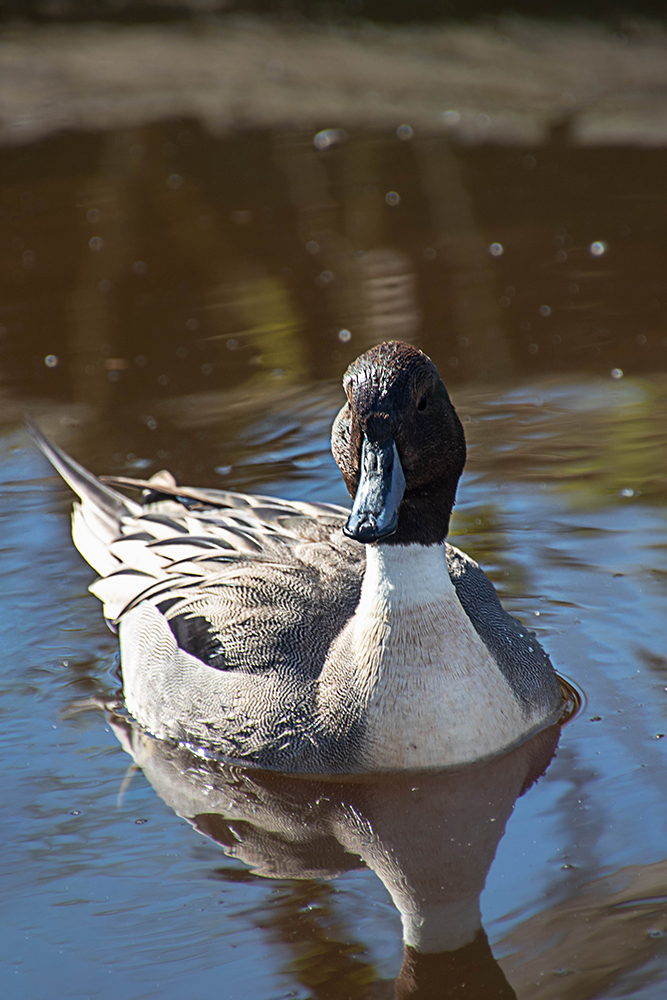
(516, 81)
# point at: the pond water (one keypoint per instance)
(173, 299)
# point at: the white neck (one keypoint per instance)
(406, 576)
(427, 687)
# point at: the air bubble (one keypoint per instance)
(51, 360)
(496, 250)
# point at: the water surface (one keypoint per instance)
(169, 299)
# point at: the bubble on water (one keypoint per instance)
(312, 247)
(192, 323)
(223, 470)
(616, 373)
(392, 198)
(93, 215)
(404, 132)
(545, 310)
(344, 336)
(626, 492)
(207, 367)
(96, 243)
(430, 253)
(174, 181)
(51, 360)
(598, 248)
(496, 250)
(139, 267)
(451, 117)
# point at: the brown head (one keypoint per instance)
(400, 447)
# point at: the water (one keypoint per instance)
(204, 333)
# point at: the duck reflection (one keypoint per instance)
(430, 838)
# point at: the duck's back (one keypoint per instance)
(229, 606)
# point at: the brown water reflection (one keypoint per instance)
(143, 264)
(173, 299)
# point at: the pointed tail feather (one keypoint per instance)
(97, 519)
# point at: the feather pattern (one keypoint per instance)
(266, 631)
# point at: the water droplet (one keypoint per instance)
(344, 336)
(496, 250)
(223, 470)
(139, 267)
(430, 253)
(451, 117)
(561, 256)
(96, 243)
(598, 248)
(545, 310)
(163, 380)
(207, 368)
(626, 492)
(192, 323)
(93, 215)
(404, 132)
(329, 137)
(616, 373)
(174, 181)
(312, 247)
(51, 360)
(392, 198)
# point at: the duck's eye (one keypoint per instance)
(421, 405)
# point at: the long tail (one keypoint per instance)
(97, 519)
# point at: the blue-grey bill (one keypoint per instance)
(374, 512)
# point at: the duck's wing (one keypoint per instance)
(237, 577)
(514, 647)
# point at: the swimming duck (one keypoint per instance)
(305, 637)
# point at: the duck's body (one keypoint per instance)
(259, 629)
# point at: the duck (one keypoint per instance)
(308, 637)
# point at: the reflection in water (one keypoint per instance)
(161, 261)
(430, 838)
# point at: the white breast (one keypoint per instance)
(432, 695)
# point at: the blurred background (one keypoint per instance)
(207, 210)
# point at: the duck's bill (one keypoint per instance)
(381, 486)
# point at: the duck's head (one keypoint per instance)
(400, 447)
